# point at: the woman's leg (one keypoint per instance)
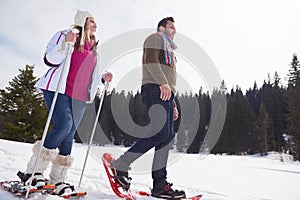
(62, 119)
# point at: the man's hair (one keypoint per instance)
(164, 22)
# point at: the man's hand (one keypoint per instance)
(165, 92)
(176, 114)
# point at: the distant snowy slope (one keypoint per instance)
(218, 177)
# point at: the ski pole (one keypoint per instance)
(70, 46)
(94, 130)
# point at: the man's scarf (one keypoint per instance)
(168, 48)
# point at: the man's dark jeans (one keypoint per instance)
(160, 133)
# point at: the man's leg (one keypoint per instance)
(159, 172)
(156, 134)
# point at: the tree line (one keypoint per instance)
(258, 121)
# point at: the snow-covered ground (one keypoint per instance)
(215, 176)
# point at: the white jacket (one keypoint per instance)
(55, 57)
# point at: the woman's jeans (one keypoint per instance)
(66, 117)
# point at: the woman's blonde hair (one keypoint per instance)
(86, 38)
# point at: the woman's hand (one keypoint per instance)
(71, 37)
(107, 76)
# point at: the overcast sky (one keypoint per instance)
(246, 39)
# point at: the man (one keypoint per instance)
(158, 88)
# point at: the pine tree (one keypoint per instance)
(254, 97)
(101, 135)
(280, 112)
(263, 130)
(238, 133)
(190, 116)
(294, 72)
(225, 141)
(106, 120)
(274, 102)
(22, 110)
(205, 109)
(293, 99)
(186, 121)
(244, 124)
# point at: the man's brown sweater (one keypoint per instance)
(154, 69)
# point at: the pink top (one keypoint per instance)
(80, 73)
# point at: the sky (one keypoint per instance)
(245, 39)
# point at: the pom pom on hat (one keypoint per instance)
(79, 20)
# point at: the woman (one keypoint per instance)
(77, 87)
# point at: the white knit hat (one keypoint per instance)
(79, 20)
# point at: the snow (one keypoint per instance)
(217, 177)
